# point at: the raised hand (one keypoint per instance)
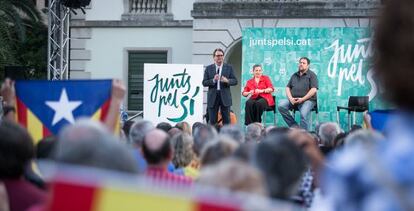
(8, 92)
(118, 90)
(216, 77)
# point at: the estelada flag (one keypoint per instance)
(44, 107)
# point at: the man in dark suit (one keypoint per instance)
(218, 77)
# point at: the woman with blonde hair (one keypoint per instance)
(183, 155)
(185, 127)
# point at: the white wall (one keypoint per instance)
(105, 10)
(107, 47)
(181, 9)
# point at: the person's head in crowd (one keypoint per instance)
(282, 164)
(174, 131)
(267, 129)
(138, 131)
(315, 136)
(183, 149)
(340, 140)
(126, 127)
(216, 150)
(196, 126)
(277, 130)
(393, 57)
(234, 175)
(380, 177)
(318, 126)
(157, 148)
(45, 147)
(310, 146)
(201, 136)
(253, 132)
(245, 152)
(355, 128)
(44, 151)
(89, 143)
(363, 137)
(83, 130)
(234, 132)
(16, 150)
(185, 127)
(327, 133)
(165, 126)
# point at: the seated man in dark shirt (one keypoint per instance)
(301, 93)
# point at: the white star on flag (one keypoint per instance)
(63, 108)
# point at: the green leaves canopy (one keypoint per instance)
(20, 22)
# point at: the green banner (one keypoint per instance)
(339, 56)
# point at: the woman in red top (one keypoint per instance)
(260, 89)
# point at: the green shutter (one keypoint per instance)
(136, 62)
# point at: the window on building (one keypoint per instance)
(136, 62)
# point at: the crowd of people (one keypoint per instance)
(276, 162)
(325, 169)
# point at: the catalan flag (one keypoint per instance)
(44, 107)
(80, 196)
(92, 189)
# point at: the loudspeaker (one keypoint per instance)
(75, 4)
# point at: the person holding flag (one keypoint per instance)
(45, 114)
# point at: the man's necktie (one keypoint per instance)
(218, 72)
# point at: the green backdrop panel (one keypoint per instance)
(339, 56)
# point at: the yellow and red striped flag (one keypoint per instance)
(69, 196)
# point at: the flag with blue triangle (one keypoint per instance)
(44, 107)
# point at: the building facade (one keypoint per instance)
(116, 37)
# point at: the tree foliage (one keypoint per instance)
(23, 35)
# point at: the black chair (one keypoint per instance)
(314, 109)
(355, 104)
(270, 108)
